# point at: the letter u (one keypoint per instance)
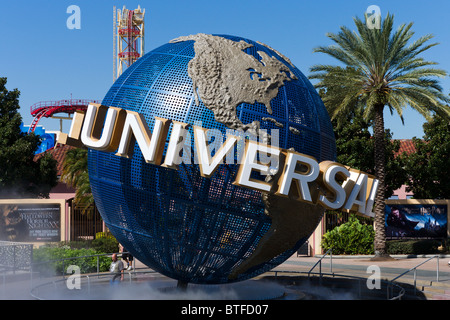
(100, 133)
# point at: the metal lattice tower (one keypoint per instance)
(128, 38)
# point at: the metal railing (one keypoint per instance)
(415, 274)
(88, 276)
(63, 260)
(60, 103)
(390, 284)
(15, 256)
(330, 251)
(34, 291)
(361, 283)
(395, 289)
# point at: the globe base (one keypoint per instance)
(182, 285)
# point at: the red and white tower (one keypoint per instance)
(128, 38)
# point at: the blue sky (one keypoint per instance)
(47, 61)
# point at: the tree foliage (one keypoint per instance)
(355, 148)
(429, 167)
(20, 176)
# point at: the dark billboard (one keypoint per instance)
(30, 222)
(416, 220)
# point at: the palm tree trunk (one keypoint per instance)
(380, 168)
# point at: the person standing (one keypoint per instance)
(116, 268)
(127, 257)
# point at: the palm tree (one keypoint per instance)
(381, 67)
(75, 173)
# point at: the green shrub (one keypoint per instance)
(106, 245)
(99, 235)
(414, 246)
(44, 256)
(44, 260)
(105, 242)
(351, 237)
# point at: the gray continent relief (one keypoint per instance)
(224, 76)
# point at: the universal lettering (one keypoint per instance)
(329, 184)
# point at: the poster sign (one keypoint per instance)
(416, 220)
(30, 222)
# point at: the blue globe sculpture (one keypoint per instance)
(208, 230)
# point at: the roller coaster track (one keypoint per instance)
(49, 108)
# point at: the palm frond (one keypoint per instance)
(381, 66)
(75, 173)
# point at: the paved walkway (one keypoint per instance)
(358, 266)
(389, 269)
